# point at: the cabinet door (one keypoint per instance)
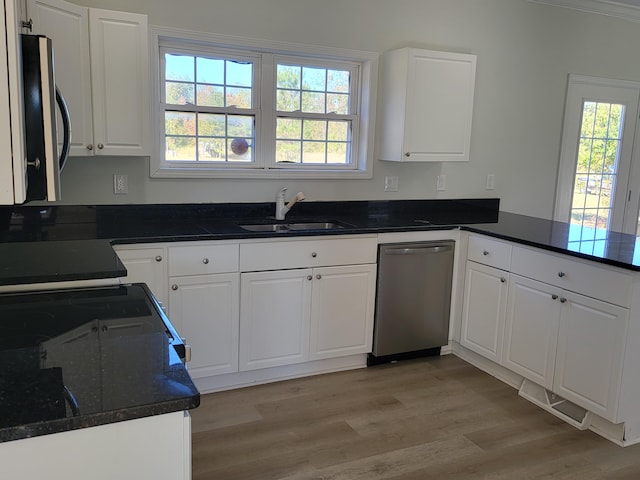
(68, 27)
(275, 309)
(146, 265)
(120, 75)
(439, 106)
(531, 332)
(342, 304)
(204, 310)
(591, 344)
(484, 310)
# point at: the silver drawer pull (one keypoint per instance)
(554, 296)
(561, 274)
(205, 261)
(485, 253)
(314, 254)
(309, 277)
(503, 280)
(174, 287)
(318, 277)
(563, 300)
(158, 258)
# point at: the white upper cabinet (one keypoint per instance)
(427, 106)
(102, 70)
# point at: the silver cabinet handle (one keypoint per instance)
(554, 296)
(503, 280)
(314, 254)
(205, 261)
(561, 274)
(28, 25)
(174, 287)
(158, 258)
(563, 300)
(407, 154)
(309, 277)
(100, 146)
(485, 253)
(90, 146)
(318, 277)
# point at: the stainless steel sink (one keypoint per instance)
(314, 226)
(291, 227)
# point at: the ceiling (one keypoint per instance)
(627, 9)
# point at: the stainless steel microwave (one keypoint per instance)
(30, 164)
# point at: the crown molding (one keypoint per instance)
(602, 7)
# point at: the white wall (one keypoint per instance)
(525, 52)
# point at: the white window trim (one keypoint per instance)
(366, 101)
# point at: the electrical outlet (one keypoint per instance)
(120, 184)
(390, 184)
(491, 182)
(441, 185)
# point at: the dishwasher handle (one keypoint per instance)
(417, 250)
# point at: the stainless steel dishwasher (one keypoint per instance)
(413, 300)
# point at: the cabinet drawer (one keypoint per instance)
(489, 252)
(590, 279)
(284, 254)
(203, 259)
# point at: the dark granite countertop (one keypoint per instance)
(120, 224)
(78, 358)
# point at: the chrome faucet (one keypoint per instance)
(281, 208)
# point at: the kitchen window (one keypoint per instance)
(234, 107)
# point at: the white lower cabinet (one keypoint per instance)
(483, 311)
(204, 310)
(531, 333)
(556, 334)
(146, 264)
(157, 447)
(275, 309)
(589, 359)
(342, 304)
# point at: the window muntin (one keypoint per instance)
(208, 103)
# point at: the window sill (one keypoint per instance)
(174, 172)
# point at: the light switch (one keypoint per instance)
(441, 185)
(491, 181)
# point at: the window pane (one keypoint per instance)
(288, 128)
(180, 123)
(314, 79)
(239, 74)
(210, 70)
(314, 130)
(288, 77)
(338, 81)
(179, 93)
(179, 67)
(338, 103)
(288, 151)
(238, 97)
(212, 149)
(313, 102)
(313, 152)
(288, 101)
(210, 96)
(240, 126)
(181, 148)
(239, 149)
(211, 125)
(337, 153)
(338, 131)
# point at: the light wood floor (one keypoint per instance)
(434, 418)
